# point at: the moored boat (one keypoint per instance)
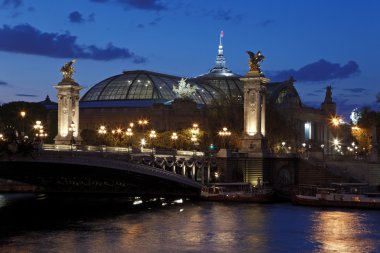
(351, 195)
(237, 192)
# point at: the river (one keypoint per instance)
(39, 224)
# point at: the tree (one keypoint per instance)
(10, 116)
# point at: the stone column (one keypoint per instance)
(68, 112)
(258, 113)
(254, 114)
(263, 107)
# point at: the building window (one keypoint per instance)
(307, 131)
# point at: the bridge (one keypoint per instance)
(88, 173)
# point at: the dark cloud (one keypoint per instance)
(355, 90)
(312, 94)
(226, 15)
(319, 90)
(321, 70)
(155, 5)
(154, 22)
(31, 9)
(77, 17)
(2, 83)
(26, 95)
(57, 45)
(11, 3)
(266, 23)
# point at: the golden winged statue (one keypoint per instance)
(67, 71)
(254, 61)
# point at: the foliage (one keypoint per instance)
(282, 127)
(10, 116)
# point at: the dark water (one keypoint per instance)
(50, 225)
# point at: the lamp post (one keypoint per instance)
(102, 131)
(129, 134)
(23, 114)
(174, 138)
(142, 123)
(40, 134)
(118, 134)
(224, 134)
(71, 131)
(142, 143)
(152, 136)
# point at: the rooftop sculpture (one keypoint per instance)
(254, 61)
(67, 71)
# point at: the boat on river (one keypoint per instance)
(237, 192)
(352, 195)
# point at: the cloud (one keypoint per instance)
(26, 95)
(155, 5)
(2, 83)
(266, 22)
(154, 22)
(312, 94)
(224, 15)
(58, 45)
(77, 17)
(356, 90)
(11, 3)
(321, 70)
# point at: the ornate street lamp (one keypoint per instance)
(72, 131)
(23, 114)
(152, 136)
(142, 143)
(174, 138)
(142, 123)
(102, 132)
(224, 134)
(118, 133)
(129, 134)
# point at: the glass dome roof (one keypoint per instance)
(145, 85)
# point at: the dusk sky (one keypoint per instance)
(319, 43)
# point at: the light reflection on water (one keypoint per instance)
(343, 231)
(43, 226)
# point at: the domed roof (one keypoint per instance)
(144, 85)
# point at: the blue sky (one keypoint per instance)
(320, 43)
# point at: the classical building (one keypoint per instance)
(140, 94)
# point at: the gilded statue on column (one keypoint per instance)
(254, 61)
(67, 71)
